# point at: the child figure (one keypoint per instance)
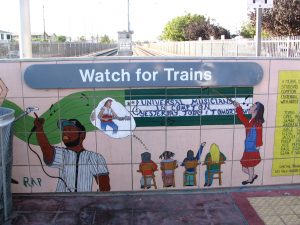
(213, 161)
(168, 166)
(147, 168)
(190, 164)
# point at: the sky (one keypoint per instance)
(75, 18)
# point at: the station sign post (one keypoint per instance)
(266, 4)
(125, 43)
(259, 5)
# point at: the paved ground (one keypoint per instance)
(279, 205)
(273, 207)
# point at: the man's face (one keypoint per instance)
(71, 136)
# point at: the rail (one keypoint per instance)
(142, 51)
(109, 52)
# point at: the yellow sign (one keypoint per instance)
(286, 160)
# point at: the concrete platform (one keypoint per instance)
(273, 205)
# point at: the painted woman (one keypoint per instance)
(253, 142)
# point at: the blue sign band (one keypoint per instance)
(143, 74)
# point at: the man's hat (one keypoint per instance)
(71, 122)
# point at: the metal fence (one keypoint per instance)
(53, 49)
(272, 47)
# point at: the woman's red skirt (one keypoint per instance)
(250, 159)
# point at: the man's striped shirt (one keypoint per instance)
(77, 169)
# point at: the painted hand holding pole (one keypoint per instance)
(27, 111)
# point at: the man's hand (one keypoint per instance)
(103, 181)
(203, 144)
(47, 149)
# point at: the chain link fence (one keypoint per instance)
(54, 49)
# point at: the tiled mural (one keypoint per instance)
(136, 138)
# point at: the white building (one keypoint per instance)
(5, 36)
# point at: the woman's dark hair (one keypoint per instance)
(166, 155)
(260, 109)
(108, 100)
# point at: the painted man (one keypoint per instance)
(77, 166)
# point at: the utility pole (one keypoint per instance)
(128, 17)
(259, 5)
(25, 32)
(258, 31)
(44, 24)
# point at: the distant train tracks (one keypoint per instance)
(109, 52)
(142, 51)
(137, 51)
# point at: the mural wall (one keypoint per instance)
(136, 138)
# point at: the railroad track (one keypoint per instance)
(137, 51)
(109, 52)
(141, 51)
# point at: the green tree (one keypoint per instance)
(93, 38)
(35, 39)
(248, 31)
(282, 20)
(218, 31)
(191, 27)
(61, 38)
(175, 29)
(197, 29)
(105, 39)
(82, 38)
